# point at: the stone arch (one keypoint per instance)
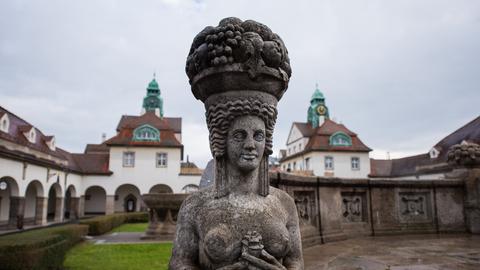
(127, 198)
(9, 200)
(95, 201)
(70, 204)
(54, 203)
(161, 188)
(34, 203)
(190, 188)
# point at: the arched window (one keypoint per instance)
(190, 188)
(340, 139)
(146, 133)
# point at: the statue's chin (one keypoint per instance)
(248, 166)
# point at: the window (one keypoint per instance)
(328, 163)
(307, 164)
(162, 159)
(294, 149)
(146, 133)
(128, 159)
(355, 163)
(300, 147)
(294, 166)
(340, 139)
(4, 125)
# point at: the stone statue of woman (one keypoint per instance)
(239, 70)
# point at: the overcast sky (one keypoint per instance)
(401, 74)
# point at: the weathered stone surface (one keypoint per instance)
(239, 70)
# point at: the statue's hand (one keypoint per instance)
(265, 262)
(242, 265)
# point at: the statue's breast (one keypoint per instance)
(225, 227)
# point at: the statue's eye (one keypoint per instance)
(239, 135)
(259, 136)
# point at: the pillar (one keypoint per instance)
(58, 209)
(74, 208)
(16, 213)
(81, 206)
(472, 200)
(110, 205)
(41, 210)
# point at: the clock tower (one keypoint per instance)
(153, 101)
(317, 111)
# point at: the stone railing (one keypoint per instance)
(333, 209)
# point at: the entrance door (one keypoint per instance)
(130, 203)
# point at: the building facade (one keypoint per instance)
(323, 147)
(41, 183)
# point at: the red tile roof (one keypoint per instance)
(128, 124)
(170, 123)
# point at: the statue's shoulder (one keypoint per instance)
(198, 198)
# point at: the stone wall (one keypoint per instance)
(334, 209)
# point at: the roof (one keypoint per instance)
(15, 135)
(423, 164)
(189, 168)
(130, 121)
(92, 163)
(319, 139)
(96, 148)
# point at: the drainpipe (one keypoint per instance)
(370, 208)
(435, 207)
(319, 212)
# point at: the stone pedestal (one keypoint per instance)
(17, 209)
(110, 205)
(41, 211)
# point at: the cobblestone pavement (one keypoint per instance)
(413, 252)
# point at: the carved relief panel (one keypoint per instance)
(354, 206)
(305, 202)
(414, 206)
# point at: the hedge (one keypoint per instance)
(39, 249)
(103, 224)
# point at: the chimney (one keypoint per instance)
(104, 137)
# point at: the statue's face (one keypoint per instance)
(246, 142)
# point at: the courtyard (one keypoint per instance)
(122, 249)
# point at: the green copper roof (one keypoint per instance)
(153, 85)
(317, 94)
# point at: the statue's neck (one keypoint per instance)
(240, 182)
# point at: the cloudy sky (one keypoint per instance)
(401, 74)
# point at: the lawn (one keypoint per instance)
(88, 256)
(131, 227)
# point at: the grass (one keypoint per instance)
(131, 227)
(88, 256)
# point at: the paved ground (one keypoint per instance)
(419, 252)
(412, 252)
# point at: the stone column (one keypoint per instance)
(110, 205)
(16, 213)
(74, 208)
(58, 209)
(41, 210)
(81, 206)
(472, 200)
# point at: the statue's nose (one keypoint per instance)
(249, 144)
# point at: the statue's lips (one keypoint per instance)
(248, 157)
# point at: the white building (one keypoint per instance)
(40, 182)
(323, 147)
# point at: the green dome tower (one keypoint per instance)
(153, 101)
(317, 111)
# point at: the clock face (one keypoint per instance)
(321, 110)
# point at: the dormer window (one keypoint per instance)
(146, 133)
(31, 135)
(4, 123)
(434, 153)
(51, 143)
(340, 139)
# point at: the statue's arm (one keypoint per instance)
(185, 246)
(294, 259)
